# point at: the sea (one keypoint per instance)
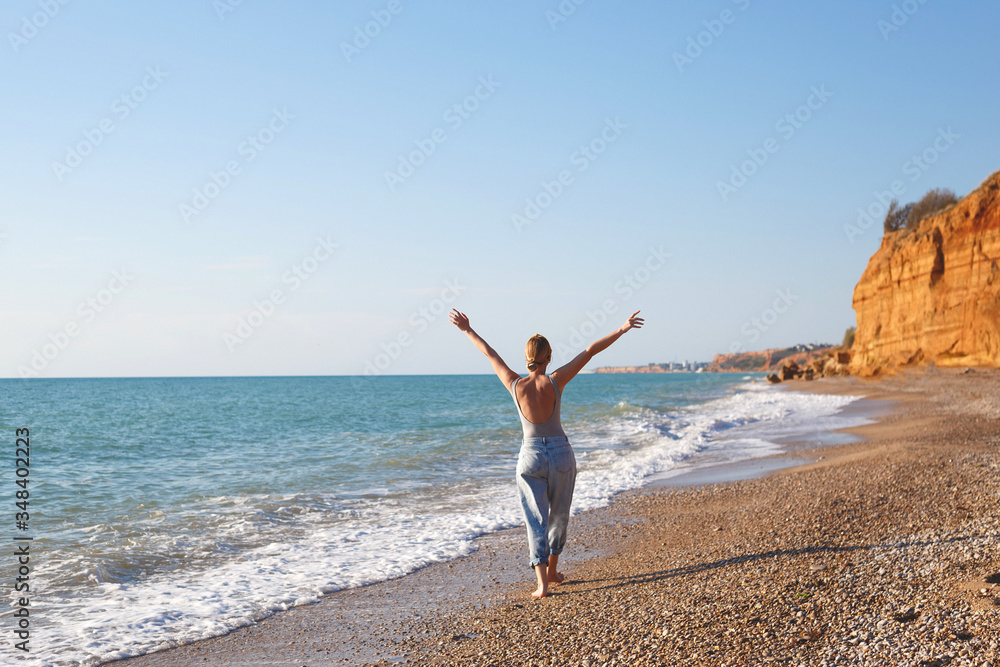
(162, 511)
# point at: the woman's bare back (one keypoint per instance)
(536, 397)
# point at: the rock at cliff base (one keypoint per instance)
(832, 367)
(773, 378)
(790, 371)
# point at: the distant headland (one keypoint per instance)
(674, 367)
(824, 358)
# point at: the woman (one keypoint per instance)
(546, 467)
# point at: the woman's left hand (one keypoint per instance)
(634, 322)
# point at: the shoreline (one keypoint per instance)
(794, 452)
(345, 617)
(441, 613)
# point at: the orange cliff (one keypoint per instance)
(933, 294)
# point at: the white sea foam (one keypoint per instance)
(323, 550)
(742, 425)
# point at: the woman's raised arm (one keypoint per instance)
(506, 375)
(566, 373)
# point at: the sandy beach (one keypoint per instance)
(877, 552)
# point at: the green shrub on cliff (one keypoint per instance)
(896, 218)
(848, 338)
(909, 216)
(934, 201)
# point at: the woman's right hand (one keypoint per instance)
(460, 320)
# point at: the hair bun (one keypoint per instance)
(537, 351)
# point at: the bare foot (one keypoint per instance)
(541, 574)
(556, 577)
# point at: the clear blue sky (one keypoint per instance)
(116, 113)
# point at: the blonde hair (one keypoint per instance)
(537, 351)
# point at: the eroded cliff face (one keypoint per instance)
(933, 294)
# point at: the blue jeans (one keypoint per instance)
(546, 474)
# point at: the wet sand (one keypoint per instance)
(884, 551)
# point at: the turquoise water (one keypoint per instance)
(168, 510)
